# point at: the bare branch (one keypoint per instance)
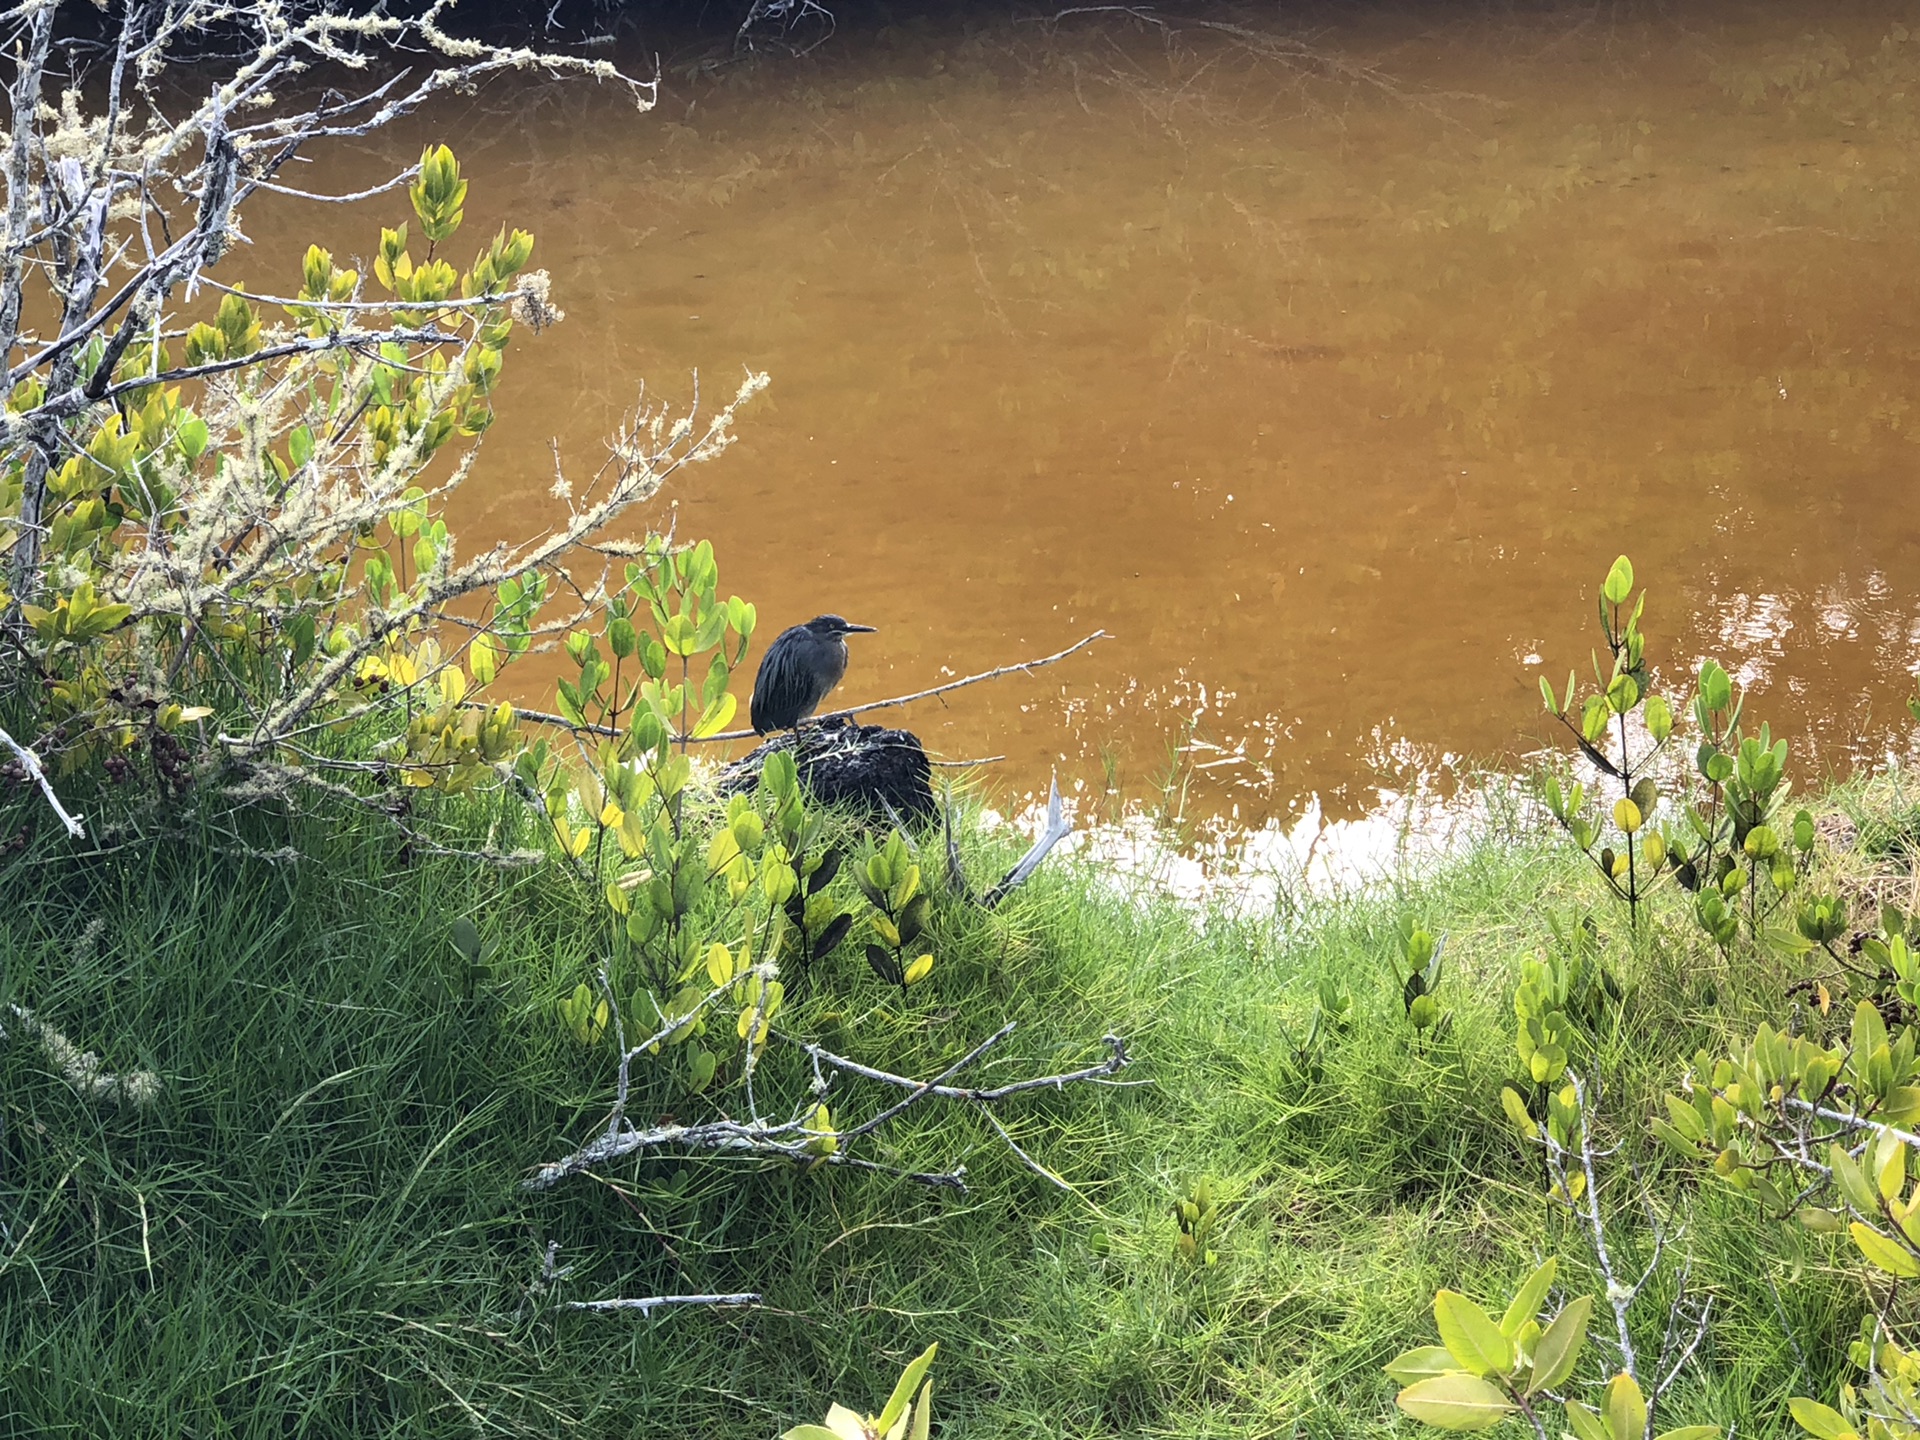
(797, 1141)
(651, 1303)
(31, 764)
(1021, 668)
(1115, 1062)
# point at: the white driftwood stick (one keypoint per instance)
(1058, 828)
(39, 777)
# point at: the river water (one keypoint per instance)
(1325, 367)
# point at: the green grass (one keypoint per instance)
(318, 1229)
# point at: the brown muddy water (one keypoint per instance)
(1330, 386)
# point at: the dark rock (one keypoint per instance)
(863, 768)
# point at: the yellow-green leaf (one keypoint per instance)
(1480, 1346)
(1526, 1304)
(1818, 1419)
(1586, 1421)
(1559, 1347)
(902, 1396)
(1455, 1402)
(1883, 1253)
(1626, 1408)
(1419, 1364)
(716, 717)
(484, 657)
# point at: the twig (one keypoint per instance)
(659, 1302)
(587, 727)
(1851, 1122)
(956, 872)
(630, 1053)
(1032, 1164)
(796, 1140)
(1618, 1298)
(1673, 1371)
(1116, 1061)
(1020, 668)
(927, 1087)
(31, 764)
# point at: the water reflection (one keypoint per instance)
(1224, 865)
(1330, 389)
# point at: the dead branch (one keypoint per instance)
(1115, 1062)
(1057, 829)
(1022, 667)
(31, 764)
(796, 1141)
(547, 717)
(651, 1303)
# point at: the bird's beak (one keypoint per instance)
(860, 630)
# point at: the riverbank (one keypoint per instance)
(316, 1224)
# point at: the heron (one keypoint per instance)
(802, 665)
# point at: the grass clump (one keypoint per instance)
(317, 1226)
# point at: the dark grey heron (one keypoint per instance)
(800, 667)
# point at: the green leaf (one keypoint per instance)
(903, 1391)
(1559, 1347)
(809, 1432)
(1686, 1119)
(1691, 1432)
(701, 1064)
(1480, 1346)
(1455, 1402)
(1586, 1421)
(1891, 1170)
(1526, 1304)
(192, 436)
(1619, 584)
(466, 938)
(1869, 1033)
(1626, 1408)
(1818, 1419)
(1427, 1360)
(1902, 1105)
(1659, 716)
(1883, 1253)
(1516, 1109)
(922, 1414)
(1623, 694)
(717, 717)
(1680, 1144)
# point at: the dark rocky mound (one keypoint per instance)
(864, 768)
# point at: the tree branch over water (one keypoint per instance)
(547, 717)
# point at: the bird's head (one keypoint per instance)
(834, 628)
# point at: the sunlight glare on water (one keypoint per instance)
(1330, 387)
